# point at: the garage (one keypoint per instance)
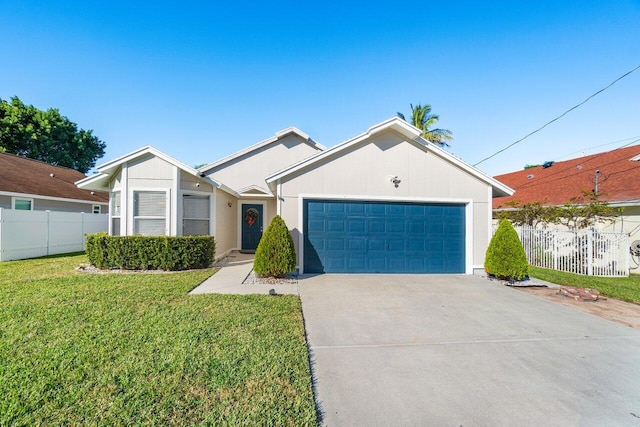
(383, 237)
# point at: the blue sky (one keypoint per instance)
(201, 80)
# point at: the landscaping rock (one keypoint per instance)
(579, 294)
(289, 279)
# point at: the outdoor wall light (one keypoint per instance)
(229, 204)
(197, 184)
(395, 180)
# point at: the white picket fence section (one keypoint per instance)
(588, 251)
(30, 234)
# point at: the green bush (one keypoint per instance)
(150, 252)
(276, 255)
(505, 258)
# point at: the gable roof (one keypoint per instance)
(278, 136)
(405, 129)
(108, 169)
(27, 176)
(618, 181)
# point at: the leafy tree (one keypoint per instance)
(579, 212)
(505, 258)
(423, 119)
(47, 136)
(275, 255)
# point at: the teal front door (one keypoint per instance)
(251, 226)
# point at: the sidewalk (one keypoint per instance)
(234, 269)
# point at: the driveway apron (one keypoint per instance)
(456, 350)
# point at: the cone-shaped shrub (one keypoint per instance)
(275, 255)
(505, 258)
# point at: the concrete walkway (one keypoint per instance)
(234, 269)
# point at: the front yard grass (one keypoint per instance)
(130, 349)
(624, 288)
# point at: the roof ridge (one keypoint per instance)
(40, 161)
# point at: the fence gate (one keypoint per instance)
(588, 251)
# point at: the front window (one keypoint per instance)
(22, 204)
(115, 213)
(96, 209)
(150, 213)
(195, 215)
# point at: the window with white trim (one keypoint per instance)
(195, 215)
(95, 209)
(115, 213)
(150, 213)
(21, 204)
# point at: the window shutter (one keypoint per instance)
(115, 204)
(195, 215)
(196, 207)
(149, 213)
(150, 203)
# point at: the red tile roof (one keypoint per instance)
(22, 175)
(619, 179)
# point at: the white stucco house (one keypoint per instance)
(383, 201)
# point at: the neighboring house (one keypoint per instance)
(614, 175)
(27, 184)
(384, 201)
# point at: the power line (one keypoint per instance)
(559, 117)
(582, 150)
(543, 180)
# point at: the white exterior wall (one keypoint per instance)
(189, 182)
(150, 173)
(226, 223)
(364, 171)
(253, 167)
(40, 204)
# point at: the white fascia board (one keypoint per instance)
(111, 167)
(123, 158)
(405, 129)
(57, 199)
(94, 182)
(254, 187)
(625, 203)
(243, 191)
(278, 135)
(470, 169)
(394, 123)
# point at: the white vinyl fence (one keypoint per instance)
(588, 251)
(30, 234)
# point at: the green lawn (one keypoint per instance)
(123, 349)
(624, 288)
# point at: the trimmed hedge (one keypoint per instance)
(505, 258)
(275, 255)
(150, 252)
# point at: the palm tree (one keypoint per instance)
(423, 119)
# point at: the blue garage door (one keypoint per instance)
(379, 237)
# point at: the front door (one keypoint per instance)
(251, 226)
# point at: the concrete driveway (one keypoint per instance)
(463, 351)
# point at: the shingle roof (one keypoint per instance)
(619, 179)
(22, 175)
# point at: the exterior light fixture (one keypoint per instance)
(395, 180)
(229, 204)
